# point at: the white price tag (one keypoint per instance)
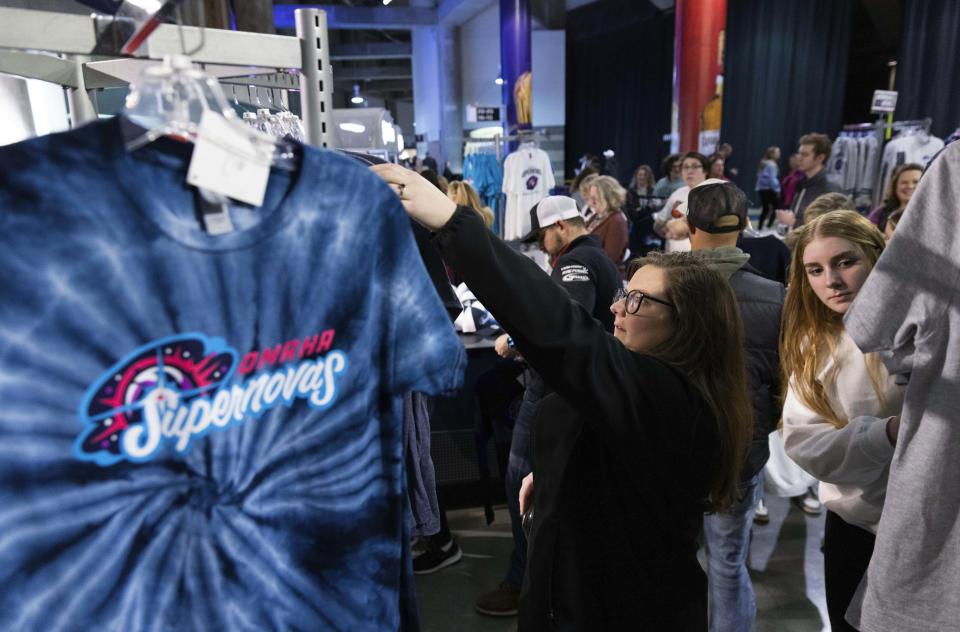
(228, 162)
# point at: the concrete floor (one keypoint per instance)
(785, 563)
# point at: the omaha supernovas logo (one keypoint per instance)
(177, 389)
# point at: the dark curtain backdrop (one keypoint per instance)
(928, 72)
(784, 75)
(619, 83)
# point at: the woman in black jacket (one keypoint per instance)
(647, 429)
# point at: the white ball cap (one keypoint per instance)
(549, 211)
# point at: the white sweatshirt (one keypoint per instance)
(677, 200)
(852, 463)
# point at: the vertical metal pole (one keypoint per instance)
(81, 106)
(500, 207)
(893, 78)
(316, 76)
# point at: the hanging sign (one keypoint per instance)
(482, 114)
(883, 101)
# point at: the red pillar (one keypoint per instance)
(697, 62)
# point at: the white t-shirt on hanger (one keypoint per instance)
(527, 179)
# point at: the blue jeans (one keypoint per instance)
(733, 606)
(517, 468)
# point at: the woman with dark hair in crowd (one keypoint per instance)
(903, 182)
(671, 180)
(639, 209)
(642, 182)
(646, 430)
(768, 186)
(841, 410)
(717, 163)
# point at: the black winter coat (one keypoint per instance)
(761, 302)
(624, 455)
(809, 190)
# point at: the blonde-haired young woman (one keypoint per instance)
(841, 411)
(463, 194)
(610, 224)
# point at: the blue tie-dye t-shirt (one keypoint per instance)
(204, 432)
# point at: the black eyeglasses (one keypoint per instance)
(635, 299)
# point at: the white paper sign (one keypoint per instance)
(883, 101)
(229, 162)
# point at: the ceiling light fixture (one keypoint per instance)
(356, 98)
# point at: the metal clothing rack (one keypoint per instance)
(898, 125)
(88, 59)
(522, 136)
(501, 143)
(882, 125)
(495, 143)
(882, 130)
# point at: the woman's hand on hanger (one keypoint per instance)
(424, 202)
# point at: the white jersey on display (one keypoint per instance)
(869, 159)
(527, 179)
(842, 167)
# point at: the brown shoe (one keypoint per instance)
(502, 602)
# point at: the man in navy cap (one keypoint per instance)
(716, 214)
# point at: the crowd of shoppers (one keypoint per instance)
(652, 419)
